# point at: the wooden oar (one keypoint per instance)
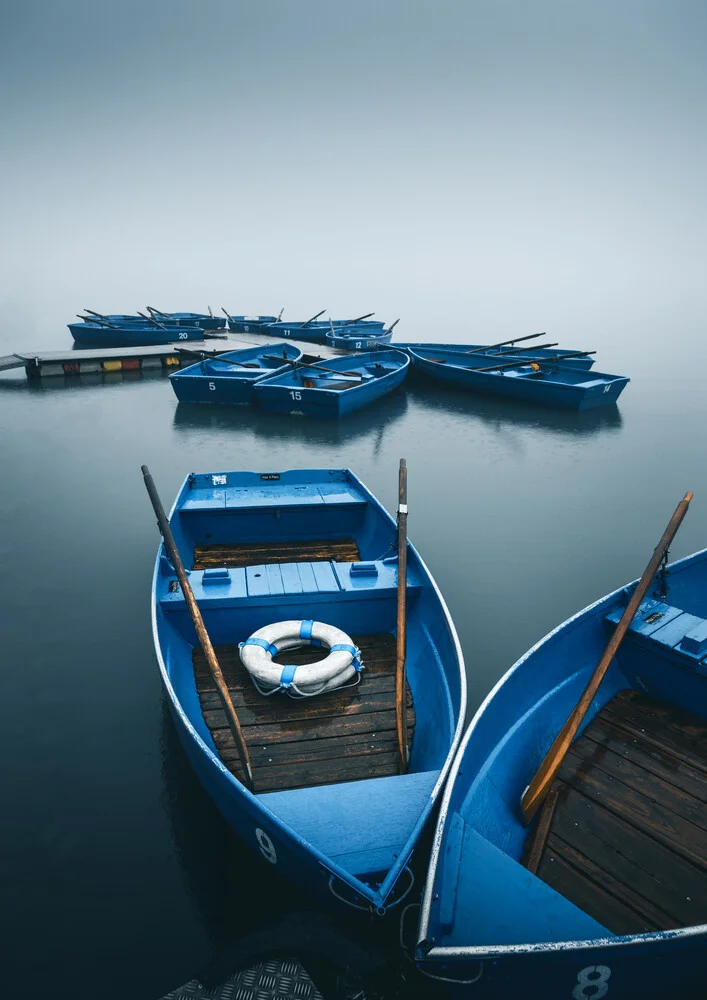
(164, 315)
(314, 365)
(103, 322)
(151, 319)
(538, 788)
(202, 634)
(229, 318)
(400, 682)
(312, 319)
(392, 326)
(359, 319)
(510, 351)
(502, 343)
(279, 315)
(533, 361)
(92, 313)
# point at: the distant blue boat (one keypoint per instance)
(131, 335)
(206, 321)
(606, 894)
(502, 353)
(330, 808)
(315, 331)
(334, 387)
(359, 338)
(230, 377)
(534, 381)
(249, 324)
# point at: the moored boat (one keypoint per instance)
(606, 893)
(335, 788)
(505, 350)
(131, 334)
(359, 338)
(249, 324)
(315, 330)
(230, 377)
(547, 381)
(334, 387)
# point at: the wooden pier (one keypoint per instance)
(169, 357)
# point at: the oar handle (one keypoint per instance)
(533, 361)
(401, 638)
(103, 322)
(392, 326)
(538, 788)
(92, 313)
(199, 626)
(228, 317)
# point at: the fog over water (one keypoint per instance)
(480, 169)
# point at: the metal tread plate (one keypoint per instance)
(274, 979)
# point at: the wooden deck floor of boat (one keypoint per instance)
(623, 833)
(344, 735)
(255, 554)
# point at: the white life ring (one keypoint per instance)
(307, 679)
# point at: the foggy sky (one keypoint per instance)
(472, 166)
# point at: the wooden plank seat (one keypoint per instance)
(257, 553)
(623, 833)
(344, 735)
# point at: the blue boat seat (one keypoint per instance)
(488, 897)
(361, 825)
(228, 587)
(256, 497)
(660, 627)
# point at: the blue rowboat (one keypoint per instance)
(249, 324)
(230, 377)
(206, 321)
(354, 338)
(131, 335)
(329, 808)
(334, 387)
(538, 381)
(479, 350)
(316, 332)
(606, 896)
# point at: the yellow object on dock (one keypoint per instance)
(171, 360)
(112, 366)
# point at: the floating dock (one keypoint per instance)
(275, 979)
(45, 364)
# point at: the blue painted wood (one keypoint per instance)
(318, 331)
(355, 823)
(498, 933)
(312, 390)
(230, 377)
(132, 335)
(362, 856)
(550, 384)
(249, 324)
(358, 337)
(480, 351)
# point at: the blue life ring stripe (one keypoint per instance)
(268, 646)
(288, 675)
(305, 632)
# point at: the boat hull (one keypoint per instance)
(250, 324)
(100, 336)
(503, 943)
(296, 399)
(481, 351)
(594, 391)
(273, 821)
(665, 969)
(211, 380)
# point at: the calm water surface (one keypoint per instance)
(113, 860)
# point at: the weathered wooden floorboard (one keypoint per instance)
(344, 735)
(239, 554)
(627, 841)
(633, 858)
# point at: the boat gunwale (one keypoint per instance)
(425, 954)
(376, 898)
